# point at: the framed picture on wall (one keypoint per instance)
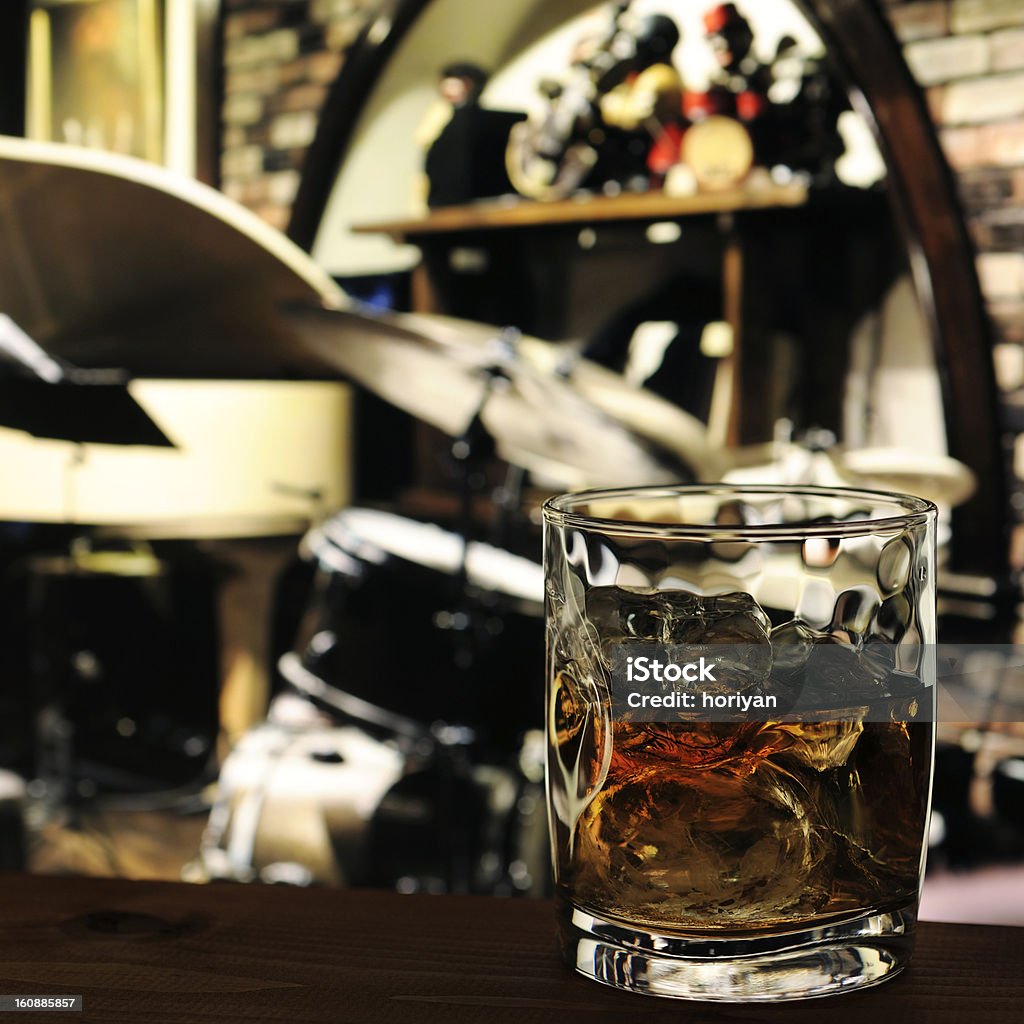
(96, 75)
(136, 77)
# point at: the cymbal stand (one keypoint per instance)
(469, 452)
(509, 502)
(54, 790)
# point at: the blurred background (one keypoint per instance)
(307, 305)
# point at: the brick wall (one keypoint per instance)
(280, 57)
(969, 57)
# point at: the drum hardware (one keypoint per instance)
(394, 602)
(57, 786)
(352, 707)
(319, 803)
(110, 718)
(442, 372)
(12, 821)
(816, 457)
(305, 801)
(680, 437)
(313, 496)
(469, 451)
(508, 500)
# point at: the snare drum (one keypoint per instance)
(396, 636)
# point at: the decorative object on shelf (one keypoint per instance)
(739, 86)
(790, 106)
(621, 91)
(650, 97)
(718, 154)
(803, 133)
(463, 141)
(623, 118)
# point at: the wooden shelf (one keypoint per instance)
(524, 213)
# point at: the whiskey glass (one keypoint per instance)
(732, 854)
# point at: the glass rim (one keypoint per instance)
(909, 511)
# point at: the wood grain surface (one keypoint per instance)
(525, 213)
(163, 952)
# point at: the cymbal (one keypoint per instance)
(939, 478)
(382, 352)
(644, 413)
(442, 372)
(107, 261)
(680, 435)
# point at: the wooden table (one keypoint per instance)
(161, 952)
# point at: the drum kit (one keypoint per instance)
(405, 750)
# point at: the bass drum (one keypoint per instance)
(302, 801)
(401, 635)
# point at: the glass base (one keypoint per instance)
(843, 956)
